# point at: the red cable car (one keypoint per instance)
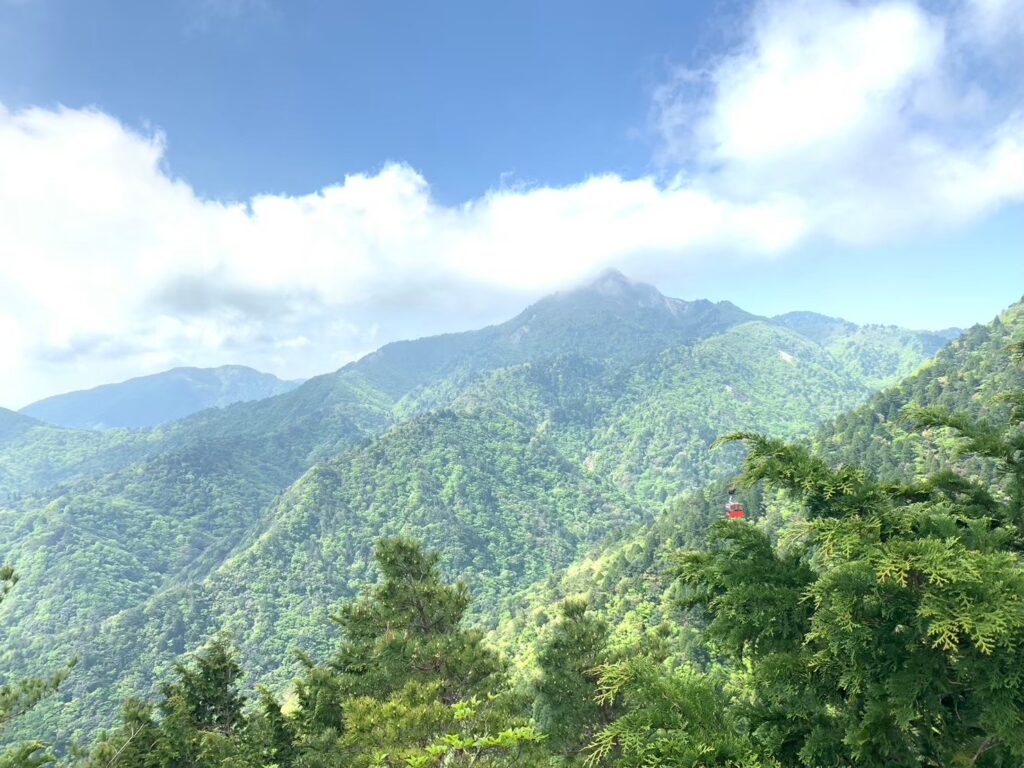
(734, 509)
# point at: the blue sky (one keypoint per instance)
(269, 96)
(291, 184)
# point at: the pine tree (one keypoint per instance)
(207, 689)
(199, 722)
(409, 686)
(269, 735)
(408, 629)
(137, 743)
(566, 705)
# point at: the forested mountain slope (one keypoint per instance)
(147, 401)
(629, 582)
(512, 449)
(879, 355)
(495, 481)
(504, 505)
(647, 426)
(882, 628)
(612, 319)
(292, 429)
(880, 624)
(968, 375)
(34, 455)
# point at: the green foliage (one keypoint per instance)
(198, 722)
(671, 718)
(627, 583)
(888, 629)
(35, 456)
(867, 623)
(648, 426)
(969, 376)
(566, 705)
(878, 355)
(407, 630)
(271, 734)
(753, 594)
(27, 754)
(416, 727)
(18, 696)
(408, 686)
(207, 692)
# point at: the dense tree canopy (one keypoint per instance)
(882, 624)
(19, 695)
(887, 627)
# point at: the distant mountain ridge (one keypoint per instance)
(645, 322)
(824, 328)
(147, 401)
(611, 317)
(879, 355)
(13, 423)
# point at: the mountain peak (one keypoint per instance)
(609, 279)
(611, 282)
(612, 285)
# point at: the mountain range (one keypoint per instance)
(147, 401)
(514, 450)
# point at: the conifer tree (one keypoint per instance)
(269, 735)
(199, 722)
(206, 690)
(566, 705)
(669, 719)
(137, 743)
(409, 686)
(408, 629)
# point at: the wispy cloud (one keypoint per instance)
(873, 119)
(202, 15)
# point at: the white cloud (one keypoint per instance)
(109, 266)
(832, 119)
(875, 116)
(994, 22)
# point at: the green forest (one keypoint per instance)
(508, 547)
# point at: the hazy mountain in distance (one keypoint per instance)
(147, 401)
(13, 424)
(879, 355)
(610, 318)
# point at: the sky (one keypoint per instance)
(289, 185)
